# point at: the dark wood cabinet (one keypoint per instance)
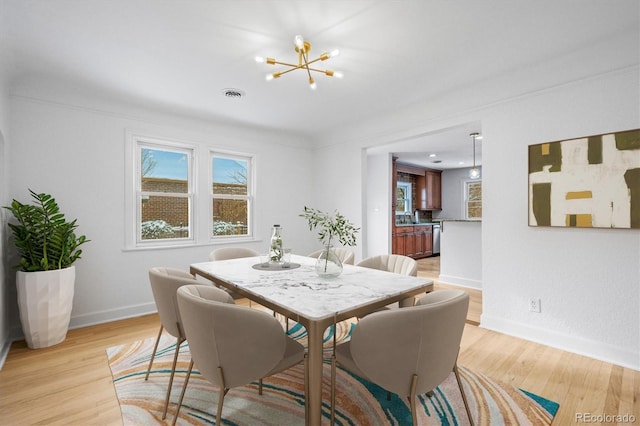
(433, 182)
(428, 190)
(403, 242)
(413, 241)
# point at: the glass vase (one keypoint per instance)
(328, 264)
(275, 247)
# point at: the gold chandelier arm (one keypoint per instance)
(303, 55)
(285, 64)
(326, 72)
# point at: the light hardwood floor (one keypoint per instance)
(70, 383)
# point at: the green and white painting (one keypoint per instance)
(588, 182)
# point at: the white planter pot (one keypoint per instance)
(45, 299)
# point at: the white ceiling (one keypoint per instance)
(178, 56)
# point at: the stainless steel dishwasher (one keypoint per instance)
(436, 239)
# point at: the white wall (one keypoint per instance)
(588, 280)
(339, 184)
(378, 205)
(77, 154)
(5, 327)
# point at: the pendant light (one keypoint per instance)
(474, 173)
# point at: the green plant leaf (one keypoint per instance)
(43, 237)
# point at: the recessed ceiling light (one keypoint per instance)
(461, 162)
(432, 155)
(233, 93)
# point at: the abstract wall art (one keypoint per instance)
(589, 182)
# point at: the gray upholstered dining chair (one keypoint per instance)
(396, 263)
(346, 255)
(232, 345)
(164, 285)
(225, 253)
(407, 351)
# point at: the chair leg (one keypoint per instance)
(184, 388)
(153, 354)
(179, 341)
(260, 386)
(464, 397)
(223, 392)
(413, 398)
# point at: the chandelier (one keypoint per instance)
(302, 47)
(474, 172)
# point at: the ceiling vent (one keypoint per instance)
(233, 93)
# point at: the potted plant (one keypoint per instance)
(47, 246)
(328, 264)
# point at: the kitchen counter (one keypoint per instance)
(456, 220)
(461, 253)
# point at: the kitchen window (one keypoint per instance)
(473, 199)
(403, 198)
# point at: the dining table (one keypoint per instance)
(296, 291)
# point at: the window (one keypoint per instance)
(164, 193)
(182, 194)
(403, 198)
(231, 195)
(473, 199)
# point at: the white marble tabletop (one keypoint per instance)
(302, 291)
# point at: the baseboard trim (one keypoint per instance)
(4, 352)
(86, 320)
(459, 281)
(590, 348)
(110, 315)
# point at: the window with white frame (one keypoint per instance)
(164, 192)
(231, 195)
(473, 199)
(403, 198)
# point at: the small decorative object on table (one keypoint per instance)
(328, 264)
(275, 249)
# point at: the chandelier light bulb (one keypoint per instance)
(312, 83)
(474, 173)
(260, 59)
(269, 77)
(334, 53)
(338, 74)
(298, 41)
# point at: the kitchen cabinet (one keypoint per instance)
(424, 241)
(403, 240)
(434, 194)
(428, 190)
(413, 241)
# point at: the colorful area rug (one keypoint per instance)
(358, 402)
